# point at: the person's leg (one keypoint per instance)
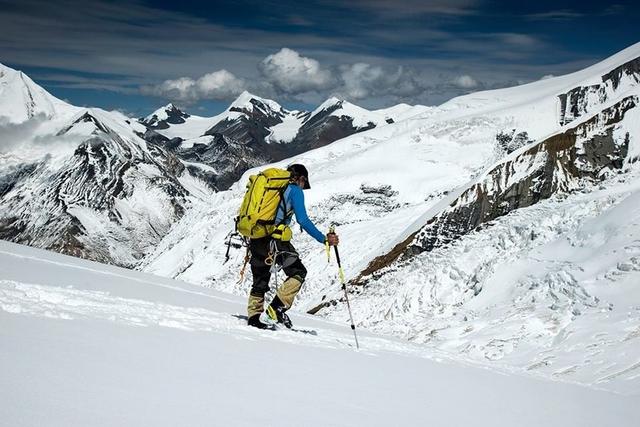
(261, 273)
(295, 271)
(286, 293)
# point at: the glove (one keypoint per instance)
(332, 239)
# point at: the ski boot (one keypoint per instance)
(276, 313)
(256, 323)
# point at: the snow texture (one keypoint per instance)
(89, 344)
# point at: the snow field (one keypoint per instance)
(90, 344)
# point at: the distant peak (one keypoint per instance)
(333, 100)
(5, 67)
(170, 113)
(332, 104)
(244, 99)
(243, 102)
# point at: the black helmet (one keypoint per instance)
(298, 170)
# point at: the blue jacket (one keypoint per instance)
(293, 198)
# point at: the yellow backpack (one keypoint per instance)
(256, 218)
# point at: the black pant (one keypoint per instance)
(287, 257)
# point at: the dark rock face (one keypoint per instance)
(324, 128)
(512, 141)
(561, 163)
(40, 205)
(322, 131)
(14, 175)
(241, 143)
(174, 116)
(630, 69)
(226, 156)
(385, 190)
(554, 165)
(252, 126)
(582, 99)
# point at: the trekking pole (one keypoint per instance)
(344, 287)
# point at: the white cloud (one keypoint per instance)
(291, 73)
(358, 79)
(361, 80)
(547, 76)
(518, 40)
(465, 81)
(555, 15)
(221, 85)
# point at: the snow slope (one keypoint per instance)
(21, 99)
(89, 344)
(196, 126)
(536, 107)
(551, 288)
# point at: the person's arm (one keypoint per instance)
(297, 199)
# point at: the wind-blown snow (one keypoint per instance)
(126, 348)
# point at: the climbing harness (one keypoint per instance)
(272, 259)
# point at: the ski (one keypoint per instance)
(277, 326)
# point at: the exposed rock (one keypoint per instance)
(44, 206)
(162, 118)
(385, 190)
(512, 141)
(583, 99)
(562, 163)
(243, 138)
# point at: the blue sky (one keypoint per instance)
(136, 56)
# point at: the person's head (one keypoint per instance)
(299, 175)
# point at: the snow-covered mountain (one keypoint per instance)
(253, 131)
(82, 181)
(21, 99)
(164, 117)
(426, 186)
